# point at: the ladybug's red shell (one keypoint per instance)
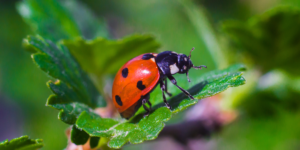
(135, 79)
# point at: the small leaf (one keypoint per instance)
(21, 143)
(141, 128)
(74, 91)
(79, 137)
(49, 19)
(101, 56)
(272, 35)
(94, 141)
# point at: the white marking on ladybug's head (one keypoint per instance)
(154, 54)
(185, 59)
(152, 59)
(174, 69)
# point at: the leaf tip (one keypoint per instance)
(27, 46)
(51, 100)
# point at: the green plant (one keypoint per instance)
(76, 104)
(21, 143)
(272, 35)
(79, 66)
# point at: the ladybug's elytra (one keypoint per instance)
(138, 77)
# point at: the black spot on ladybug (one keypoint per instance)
(125, 72)
(118, 100)
(147, 56)
(140, 85)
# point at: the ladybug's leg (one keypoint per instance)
(166, 88)
(149, 104)
(145, 99)
(173, 80)
(163, 89)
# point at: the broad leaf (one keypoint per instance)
(49, 19)
(102, 56)
(56, 20)
(271, 40)
(21, 143)
(73, 90)
(139, 128)
(89, 25)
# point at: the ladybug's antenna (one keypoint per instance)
(196, 67)
(191, 52)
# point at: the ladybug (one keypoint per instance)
(137, 78)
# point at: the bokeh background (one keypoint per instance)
(264, 35)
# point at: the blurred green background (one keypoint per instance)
(264, 35)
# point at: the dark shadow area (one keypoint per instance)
(174, 101)
(196, 89)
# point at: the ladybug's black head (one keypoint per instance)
(185, 64)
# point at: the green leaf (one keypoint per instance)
(272, 35)
(101, 56)
(49, 19)
(73, 90)
(79, 137)
(89, 25)
(94, 141)
(56, 20)
(139, 128)
(21, 143)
